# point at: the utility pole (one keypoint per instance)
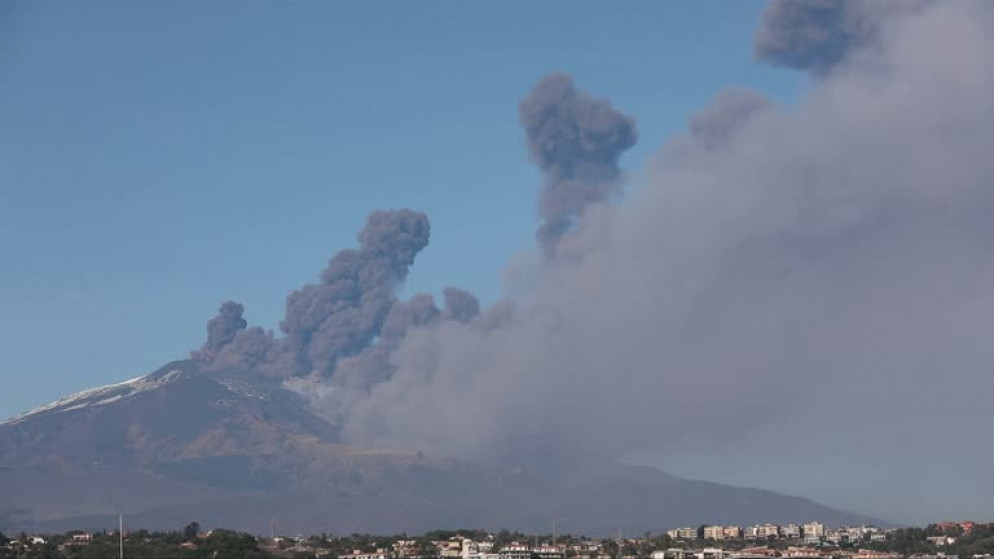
(120, 533)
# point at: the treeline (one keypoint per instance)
(911, 541)
(143, 544)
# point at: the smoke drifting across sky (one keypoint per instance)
(817, 271)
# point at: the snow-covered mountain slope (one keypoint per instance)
(100, 396)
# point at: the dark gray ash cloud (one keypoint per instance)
(802, 279)
(340, 316)
(460, 305)
(816, 35)
(222, 328)
(576, 140)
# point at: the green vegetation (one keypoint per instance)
(910, 541)
(220, 544)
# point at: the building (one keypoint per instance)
(549, 552)
(731, 532)
(515, 550)
(714, 533)
(449, 549)
(686, 533)
(868, 554)
(767, 532)
(712, 553)
(813, 532)
(793, 552)
(792, 531)
(359, 554)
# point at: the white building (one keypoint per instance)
(714, 533)
(813, 532)
(515, 550)
(712, 553)
(767, 531)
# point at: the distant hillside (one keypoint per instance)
(235, 450)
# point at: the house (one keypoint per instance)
(359, 554)
(712, 553)
(792, 531)
(731, 532)
(515, 550)
(714, 533)
(813, 532)
(549, 552)
(686, 533)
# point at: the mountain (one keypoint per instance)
(236, 450)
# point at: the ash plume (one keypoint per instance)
(731, 109)
(342, 315)
(336, 318)
(460, 305)
(576, 141)
(817, 35)
(221, 329)
(831, 253)
(776, 281)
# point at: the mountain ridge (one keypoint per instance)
(232, 449)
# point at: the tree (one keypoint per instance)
(192, 531)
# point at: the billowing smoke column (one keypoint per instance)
(221, 329)
(780, 277)
(341, 315)
(576, 140)
(817, 35)
(460, 304)
(339, 333)
(336, 318)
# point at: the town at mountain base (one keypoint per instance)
(234, 450)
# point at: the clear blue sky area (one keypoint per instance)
(157, 158)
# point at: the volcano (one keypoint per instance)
(236, 450)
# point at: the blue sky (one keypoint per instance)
(157, 158)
